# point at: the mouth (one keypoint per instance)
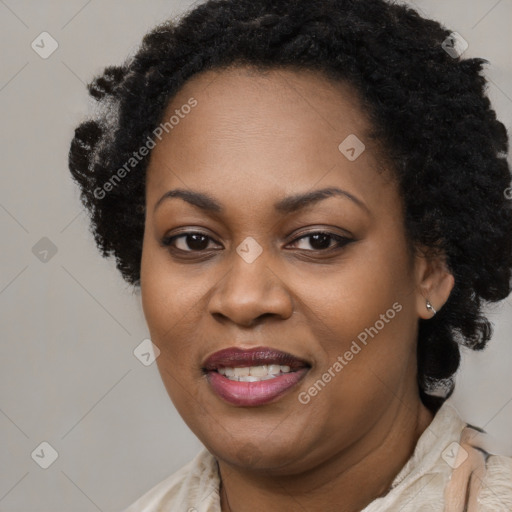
(253, 377)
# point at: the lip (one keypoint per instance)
(249, 394)
(241, 358)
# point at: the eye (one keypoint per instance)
(188, 242)
(192, 241)
(322, 241)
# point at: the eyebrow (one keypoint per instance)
(287, 205)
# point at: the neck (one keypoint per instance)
(347, 482)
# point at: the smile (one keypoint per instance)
(253, 377)
(254, 373)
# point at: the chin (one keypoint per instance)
(256, 453)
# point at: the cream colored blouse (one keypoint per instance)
(450, 470)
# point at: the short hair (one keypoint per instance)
(428, 109)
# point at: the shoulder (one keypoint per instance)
(496, 490)
(481, 480)
(193, 487)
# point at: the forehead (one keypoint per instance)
(244, 96)
(253, 129)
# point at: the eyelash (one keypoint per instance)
(342, 241)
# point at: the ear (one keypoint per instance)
(434, 282)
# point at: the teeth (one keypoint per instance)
(274, 369)
(242, 372)
(254, 373)
(258, 371)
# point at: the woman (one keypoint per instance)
(312, 197)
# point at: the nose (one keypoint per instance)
(250, 292)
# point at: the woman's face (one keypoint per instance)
(342, 306)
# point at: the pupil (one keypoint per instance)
(198, 242)
(195, 243)
(324, 241)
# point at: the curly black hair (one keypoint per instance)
(430, 113)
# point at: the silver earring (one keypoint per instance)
(430, 307)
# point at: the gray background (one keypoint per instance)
(69, 325)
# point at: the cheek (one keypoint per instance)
(170, 308)
(352, 296)
(364, 313)
(363, 358)
(155, 293)
(165, 306)
(168, 297)
(174, 302)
